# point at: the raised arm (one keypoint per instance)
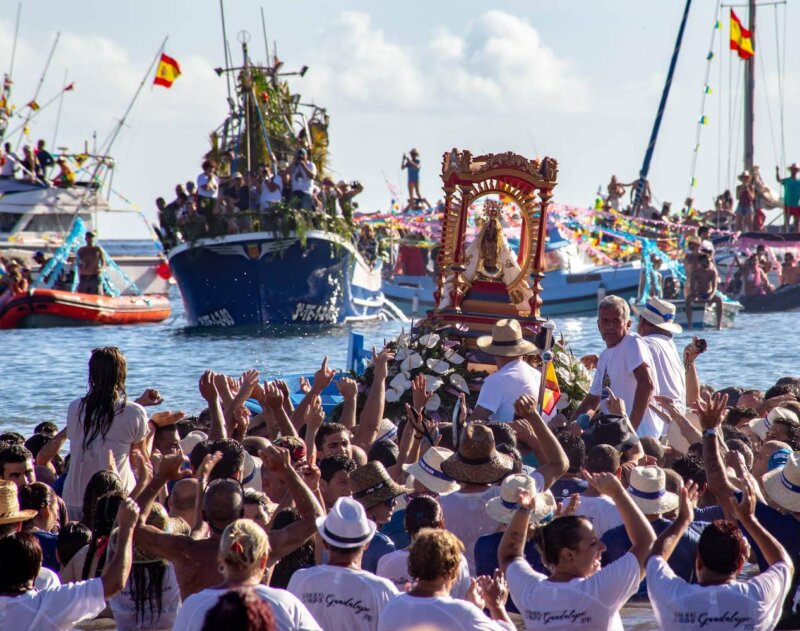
(315, 416)
(555, 462)
(639, 530)
(512, 544)
(51, 448)
(371, 415)
(274, 400)
(744, 510)
(322, 379)
(348, 388)
(710, 410)
(690, 355)
(644, 392)
(116, 572)
(590, 402)
(209, 392)
(668, 540)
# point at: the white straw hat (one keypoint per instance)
(502, 508)
(386, 430)
(648, 489)
(346, 526)
(762, 425)
(506, 340)
(191, 439)
(660, 313)
(783, 485)
(251, 472)
(428, 471)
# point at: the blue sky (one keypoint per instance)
(579, 81)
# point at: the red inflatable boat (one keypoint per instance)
(51, 307)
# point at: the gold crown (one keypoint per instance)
(492, 209)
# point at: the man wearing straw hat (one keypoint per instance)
(514, 376)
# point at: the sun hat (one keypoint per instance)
(346, 525)
(506, 340)
(648, 490)
(502, 508)
(414, 152)
(783, 485)
(762, 425)
(251, 472)
(794, 166)
(660, 313)
(706, 246)
(693, 238)
(610, 429)
(386, 430)
(428, 471)
(191, 439)
(372, 485)
(9, 505)
(744, 174)
(477, 460)
(778, 458)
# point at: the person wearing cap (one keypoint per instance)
(778, 424)
(704, 283)
(339, 594)
(779, 516)
(572, 551)
(57, 607)
(791, 196)
(719, 600)
(514, 376)
(623, 367)
(745, 197)
(647, 488)
(411, 163)
(91, 260)
(375, 490)
(302, 173)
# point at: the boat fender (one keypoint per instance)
(163, 270)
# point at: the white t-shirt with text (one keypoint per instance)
(290, 614)
(342, 599)
(405, 613)
(53, 609)
(502, 388)
(581, 604)
(394, 567)
(601, 511)
(754, 604)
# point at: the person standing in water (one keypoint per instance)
(91, 262)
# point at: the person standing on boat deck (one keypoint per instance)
(44, 160)
(91, 262)
(745, 196)
(705, 280)
(303, 172)
(625, 367)
(207, 191)
(791, 196)
(271, 191)
(412, 163)
(9, 164)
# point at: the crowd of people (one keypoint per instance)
(223, 200)
(35, 165)
(260, 514)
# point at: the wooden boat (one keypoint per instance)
(52, 307)
(785, 298)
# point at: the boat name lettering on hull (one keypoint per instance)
(220, 317)
(304, 312)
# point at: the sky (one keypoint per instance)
(577, 80)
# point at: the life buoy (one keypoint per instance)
(164, 271)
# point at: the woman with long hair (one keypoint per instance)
(243, 555)
(240, 609)
(100, 484)
(102, 427)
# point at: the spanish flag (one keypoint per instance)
(552, 393)
(168, 71)
(741, 38)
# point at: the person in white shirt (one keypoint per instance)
(243, 554)
(271, 191)
(514, 377)
(719, 601)
(433, 562)
(62, 607)
(302, 173)
(624, 367)
(207, 191)
(578, 594)
(600, 509)
(10, 163)
(339, 594)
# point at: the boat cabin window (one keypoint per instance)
(8, 221)
(50, 222)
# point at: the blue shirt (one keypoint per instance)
(486, 559)
(565, 487)
(380, 545)
(395, 529)
(681, 562)
(48, 541)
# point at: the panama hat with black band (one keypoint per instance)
(346, 525)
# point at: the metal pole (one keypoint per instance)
(648, 156)
(750, 92)
(60, 105)
(264, 30)
(14, 47)
(39, 87)
(225, 49)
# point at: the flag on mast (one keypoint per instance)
(168, 70)
(741, 38)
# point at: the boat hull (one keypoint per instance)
(54, 308)
(265, 278)
(786, 298)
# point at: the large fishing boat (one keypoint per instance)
(288, 262)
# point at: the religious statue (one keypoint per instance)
(490, 243)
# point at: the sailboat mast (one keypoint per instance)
(750, 92)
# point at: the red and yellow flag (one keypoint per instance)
(552, 393)
(168, 71)
(741, 38)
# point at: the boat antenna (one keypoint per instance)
(264, 31)
(225, 49)
(648, 156)
(38, 88)
(14, 47)
(60, 105)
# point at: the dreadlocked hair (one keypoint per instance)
(106, 392)
(103, 523)
(147, 586)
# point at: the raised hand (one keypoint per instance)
(127, 514)
(207, 466)
(420, 395)
(165, 419)
(526, 499)
(604, 483)
(688, 502)
(223, 388)
(690, 352)
(568, 507)
(273, 396)
(615, 404)
(208, 389)
(248, 381)
(711, 409)
(524, 431)
(149, 397)
(170, 468)
(311, 475)
(668, 405)
(305, 387)
(745, 508)
(494, 590)
(315, 414)
(474, 594)
(142, 467)
(380, 361)
(276, 459)
(347, 387)
(284, 388)
(241, 421)
(323, 377)
(525, 406)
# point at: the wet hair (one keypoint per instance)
(242, 544)
(736, 444)
(22, 560)
(301, 558)
(653, 448)
(14, 438)
(190, 424)
(503, 434)
(326, 430)
(101, 483)
(224, 513)
(46, 427)
(564, 532)
(240, 609)
(71, 538)
(422, 511)
(690, 468)
(575, 449)
(434, 553)
(147, 587)
(330, 466)
(737, 414)
(36, 442)
(12, 453)
(733, 394)
(106, 394)
(722, 547)
(784, 388)
(232, 457)
(36, 496)
(602, 459)
(791, 380)
(385, 452)
(103, 523)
